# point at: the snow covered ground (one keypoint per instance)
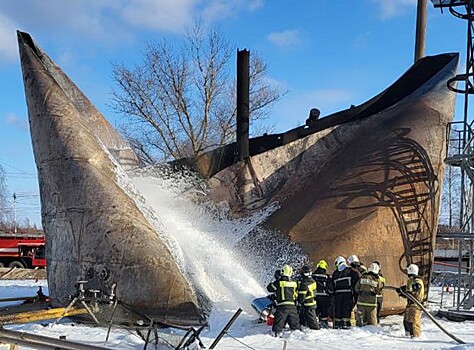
(389, 334)
(207, 254)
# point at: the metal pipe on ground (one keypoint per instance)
(41, 342)
(226, 328)
(408, 296)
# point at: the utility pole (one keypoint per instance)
(14, 213)
(420, 40)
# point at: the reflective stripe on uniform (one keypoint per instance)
(342, 279)
(343, 291)
(366, 304)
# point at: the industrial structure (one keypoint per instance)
(365, 180)
(463, 84)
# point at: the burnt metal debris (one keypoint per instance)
(364, 180)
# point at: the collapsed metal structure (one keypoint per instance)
(365, 180)
(362, 181)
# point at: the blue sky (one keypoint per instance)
(326, 54)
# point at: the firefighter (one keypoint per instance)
(343, 279)
(368, 287)
(271, 288)
(355, 263)
(285, 301)
(380, 296)
(306, 299)
(323, 298)
(416, 288)
(359, 269)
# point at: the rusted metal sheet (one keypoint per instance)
(364, 181)
(94, 229)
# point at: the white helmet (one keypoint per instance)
(412, 269)
(339, 260)
(374, 268)
(353, 259)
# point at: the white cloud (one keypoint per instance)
(8, 48)
(11, 119)
(218, 9)
(167, 15)
(392, 8)
(284, 38)
(108, 22)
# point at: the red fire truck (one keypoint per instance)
(24, 250)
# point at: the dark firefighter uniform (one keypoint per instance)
(343, 282)
(323, 298)
(359, 269)
(285, 298)
(307, 300)
(368, 287)
(412, 318)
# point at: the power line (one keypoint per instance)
(13, 167)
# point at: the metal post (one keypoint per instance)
(420, 40)
(243, 101)
(14, 213)
(225, 329)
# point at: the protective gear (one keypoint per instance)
(378, 263)
(412, 269)
(343, 282)
(368, 286)
(306, 299)
(353, 259)
(412, 319)
(322, 264)
(305, 271)
(285, 297)
(374, 268)
(277, 274)
(339, 260)
(287, 271)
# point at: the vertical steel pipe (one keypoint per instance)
(420, 41)
(243, 103)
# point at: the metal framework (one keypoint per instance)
(463, 84)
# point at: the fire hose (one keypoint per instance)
(411, 298)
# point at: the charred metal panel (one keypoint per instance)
(94, 229)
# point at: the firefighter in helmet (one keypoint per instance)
(358, 269)
(306, 299)
(323, 298)
(285, 301)
(355, 263)
(414, 287)
(368, 287)
(344, 279)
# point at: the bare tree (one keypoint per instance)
(180, 103)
